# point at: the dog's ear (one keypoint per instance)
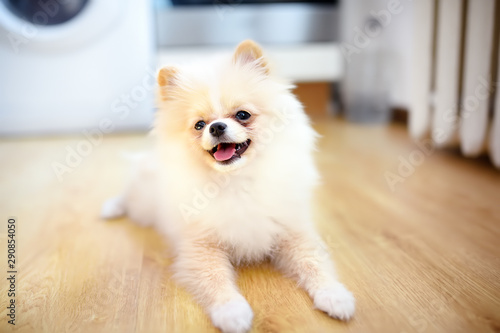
(166, 80)
(250, 52)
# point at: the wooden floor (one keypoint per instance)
(423, 256)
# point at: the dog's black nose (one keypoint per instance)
(217, 129)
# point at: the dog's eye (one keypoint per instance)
(243, 115)
(199, 125)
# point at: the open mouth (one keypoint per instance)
(227, 152)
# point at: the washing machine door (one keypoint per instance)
(54, 25)
(88, 67)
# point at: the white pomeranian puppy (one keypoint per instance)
(230, 182)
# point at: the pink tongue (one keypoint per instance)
(225, 152)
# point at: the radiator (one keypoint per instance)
(455, 73)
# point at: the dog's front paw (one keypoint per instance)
(234, 316)
(337, 302)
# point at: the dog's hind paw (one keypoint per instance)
(113, 208)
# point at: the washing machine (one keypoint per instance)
(68, 66)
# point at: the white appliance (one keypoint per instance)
(93, 70)
(358, 37)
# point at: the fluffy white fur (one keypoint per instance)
(217, 215)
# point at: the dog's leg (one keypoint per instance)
(303, 257)
(205, 270)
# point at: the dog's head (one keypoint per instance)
(220, 109)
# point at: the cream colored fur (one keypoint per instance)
(216, 216)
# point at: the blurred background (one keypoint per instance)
(413, 229)
(78, 65)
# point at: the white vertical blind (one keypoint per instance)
(477, 77)
(447, 71)
(459, 78)
(495, 125)
(422, 67)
